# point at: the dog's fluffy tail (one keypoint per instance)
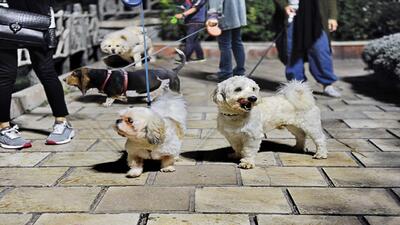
(183, 61)
(171, 105)
(299, 94)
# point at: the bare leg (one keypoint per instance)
(136, 165)
(167, 164)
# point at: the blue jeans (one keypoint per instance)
(319, 59)
(231, 41)
(193, 42)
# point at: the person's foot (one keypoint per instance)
(62, 134)
(331, 91)
(10, 138)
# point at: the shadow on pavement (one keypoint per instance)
(121, 166)
(378, 88)
(101, 99)
(221, 154)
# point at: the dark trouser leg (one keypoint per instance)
(8, 74)
(238, 52)
(197, 46)
(320, 60)
(43, 64)
(225, 47)
(294, 70)
(193, 42)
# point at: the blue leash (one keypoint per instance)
(135, 3)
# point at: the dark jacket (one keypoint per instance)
(327, 9)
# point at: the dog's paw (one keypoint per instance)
(320, 155)
(108, 102)
(245, 164)
(134, 172)
(167, 169)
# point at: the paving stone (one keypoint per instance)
(14, 219)
(306, 220)
(363, 102)
(21, 159)
(344, 201)
(211, 134)
(91, 177)
(334, 159)
(397, 191)
(203, 144)
(198, 219)
(206, 109)
(91, 133)
(357, 108)
(240, 199)
(202, 124)
(387, 145)
(372, 123)
(364, 177)
(74, 145)
(49, 199)
(192, 133)
(204, 175)
(265, 159)
(211, 116)
(88, 219)
(92, 124)
(389, 108)
(282, 176)
(81, 158)
(395, 132)
(383, 115)
(361, 145)
(41, 134)
(122, 199)
(195, 116)
(30, 176)
(358, 133)
(329, 115)
(380, 220)
(112, 144)
(334, 123)
(379, 159)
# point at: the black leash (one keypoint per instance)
(266, 52)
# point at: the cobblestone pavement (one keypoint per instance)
(84, 182)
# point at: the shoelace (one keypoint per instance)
(59, 127)
(12, 132)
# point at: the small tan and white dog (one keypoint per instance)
(128, 43)
(244, 117)
(154, 133)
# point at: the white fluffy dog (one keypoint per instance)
(154, 133)
(128, 43)
(244, 117)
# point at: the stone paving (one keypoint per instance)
(84, 182)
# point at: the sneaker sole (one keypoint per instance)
(71, 136)
(26, 145)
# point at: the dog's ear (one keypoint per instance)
(85, 80)
(218, 95)
(123, 37)
(155, 131)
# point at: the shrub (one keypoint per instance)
(383, 56)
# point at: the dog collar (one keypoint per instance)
(106, 80)
(125, 74)
(227, 114)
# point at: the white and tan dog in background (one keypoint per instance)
(128, 43)
(244, 117)
(154, 133)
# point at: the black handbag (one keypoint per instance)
(26, 29)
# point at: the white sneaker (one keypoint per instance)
(331, 91)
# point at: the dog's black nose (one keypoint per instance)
(252, 99)
(113, 51)
(118, 121)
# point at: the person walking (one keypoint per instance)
(43, 65)
(307, 26)
(195, 16)
(230, 16)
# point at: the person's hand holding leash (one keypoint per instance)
(332, 25)
(212, 27)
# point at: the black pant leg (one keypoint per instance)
(8, 74)
(43, 65)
